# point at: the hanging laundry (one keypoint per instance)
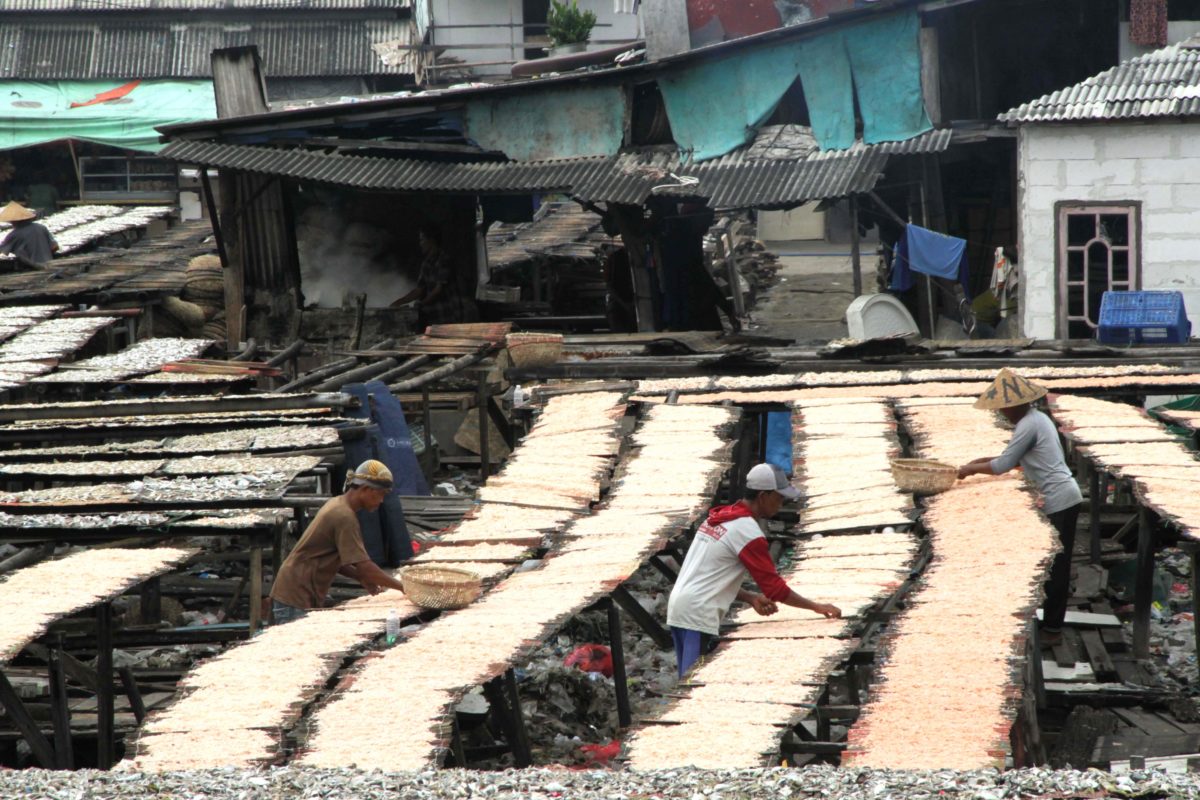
(1148, 23)
(930, 253)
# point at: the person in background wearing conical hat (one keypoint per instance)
(1036, 447)
(29, 241)
(333, 545)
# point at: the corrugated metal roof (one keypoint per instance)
(1165, 83)
(734, 181)
(306, 46)
(39, 6)
(563, 230)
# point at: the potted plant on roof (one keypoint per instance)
(568, 27)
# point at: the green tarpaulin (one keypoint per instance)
(34, 113)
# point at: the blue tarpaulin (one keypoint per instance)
(715, 107)
(885, 56)
(33, 112)
(828, 91)
(930, 253)
(779, 440)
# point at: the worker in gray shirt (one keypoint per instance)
(1036, 447)
(30, 242)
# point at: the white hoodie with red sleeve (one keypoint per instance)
(727, 545)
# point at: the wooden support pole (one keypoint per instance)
(1143, 593)
(130, 687)
(645, 620)
(855, 254)
(458, 753)
(620, 683)
(481, 401)
(1095, 498)
(1195, 554)
(256, 586)
(151, 601)
(60, 709)
(105, 752)
(427, 433)
(522, 756)
(16, 711)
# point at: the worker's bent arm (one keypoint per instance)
(373, 578)
(349, 570)
(824, 609)
(980, 466)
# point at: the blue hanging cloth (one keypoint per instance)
(930, 253)
(779, 440)
(385, 532)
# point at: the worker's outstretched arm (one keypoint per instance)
(373, 579)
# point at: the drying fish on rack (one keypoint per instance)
(999, 560)
(35, 596)
(145, 356)
(503, 624)
(1165, 471)
(271, 676)
(259, 485)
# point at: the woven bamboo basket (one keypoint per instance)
(440, 587)
(534, 349)
(923, 476)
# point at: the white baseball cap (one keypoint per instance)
(768, 477)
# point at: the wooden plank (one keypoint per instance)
(1121, 746)
(1152, 724)
(1097, 654)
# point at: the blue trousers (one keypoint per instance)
(689, 646)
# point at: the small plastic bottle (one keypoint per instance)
(393, 627)
(518, 397)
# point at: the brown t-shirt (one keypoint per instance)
(333, 539)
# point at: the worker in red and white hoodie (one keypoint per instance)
(727, 545)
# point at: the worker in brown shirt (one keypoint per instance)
(333, 545)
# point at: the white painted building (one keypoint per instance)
(488, 36)
(1108, 178)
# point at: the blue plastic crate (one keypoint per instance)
(1143, 317)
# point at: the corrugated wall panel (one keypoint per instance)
(289, 48)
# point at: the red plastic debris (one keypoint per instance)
(601, 754)
(591, 658)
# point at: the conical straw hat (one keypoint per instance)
(1009, 389)
(15, 212)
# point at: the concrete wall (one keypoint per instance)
(488, 44)
(1156, 163)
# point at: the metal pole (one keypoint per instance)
(1195, 554)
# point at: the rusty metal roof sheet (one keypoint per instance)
(301, 46)
(737, 180)
(559, 230)
(1164, 83)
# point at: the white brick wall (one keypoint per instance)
(1157, 164)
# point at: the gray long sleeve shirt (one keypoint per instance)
(1036, 447)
